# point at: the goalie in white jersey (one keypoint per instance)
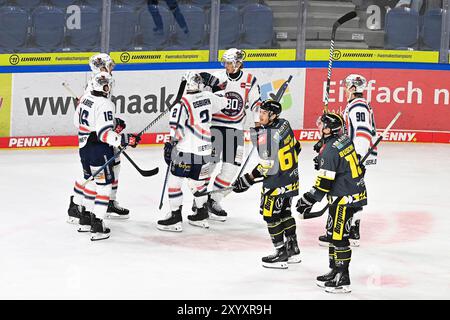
(94, 119)
(360, 127)
(101, 62)
(244, 99)
(189, 151)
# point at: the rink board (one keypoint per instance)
(37, 111)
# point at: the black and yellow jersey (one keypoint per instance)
(278, 165)
(339, 172)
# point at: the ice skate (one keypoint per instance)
(85, 222)
(200, 218)
(215, 210)
(172, 222)
(115, 211)
(324, 241)
(320, 280)
(293, 250)
(98, 230)
(74, 212)
(354, 235)
(339, 284)
(278, 260)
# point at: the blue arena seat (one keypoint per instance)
(13, 28)
(155, 23)
(201, 3)
(431, 30)
(240, 3)
(229, 26)
(28, 4)
(94, 3)
(135, 3)
(401, 28)
(87, 38)
(64, 3)
(257, 35)
(48, 28)
(195, 18)
(123, 28)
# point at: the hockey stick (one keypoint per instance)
(121, 149)
(145, 173)
(166, 178)
(347, 17)
(277, 97)
(316, 214)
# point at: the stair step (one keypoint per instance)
(323, 44)
(338, 7)
(328, 19)
(283, 6)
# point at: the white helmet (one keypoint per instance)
(102, 82)
(357, 81)
(233, 56)
(101, 60)
(193, 81)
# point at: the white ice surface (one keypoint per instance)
(404, 249)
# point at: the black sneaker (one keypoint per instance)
(200, 218)
(85, 221)
(340, 283)
(172, 222)
(215, 210)
(74, 212)
(354, 235)
(115, 211)
(293, 250)
(320, 280)
(278, 260)
(98, 230)
(324, 241)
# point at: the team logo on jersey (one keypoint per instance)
(272, 87)
(235, 104)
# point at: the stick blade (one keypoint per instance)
(149, 173)
(346, 17)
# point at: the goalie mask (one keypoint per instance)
(101, 60)
(102, 82)
(235, 57)
(193, 81)
(357, 81)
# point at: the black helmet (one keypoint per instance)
(271, 106)
(333, 121)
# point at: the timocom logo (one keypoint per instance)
(28, 142)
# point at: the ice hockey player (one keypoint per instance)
(278, 171)
(359, 125)
(341, 179)
(242, 90)
(101, 62)
(94, 119)
(189, 151)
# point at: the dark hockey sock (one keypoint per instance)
(331, 256)
(289, 226)
(342, 257)
(276, 232)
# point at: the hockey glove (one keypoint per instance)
(316, 163)
(130, 139)
(361, 165)
(119, 125)
(318, 146)
(304, 205)
(243, 183)
(168, 147)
